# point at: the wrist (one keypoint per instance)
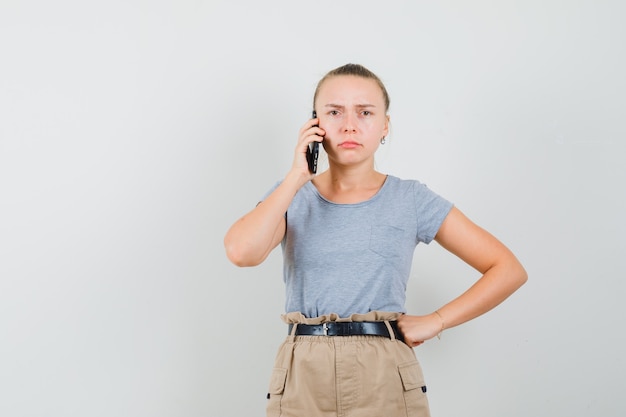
(295, 179)
(443, 323)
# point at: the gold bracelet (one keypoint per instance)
(442, 325)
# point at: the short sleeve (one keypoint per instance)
(432, 209)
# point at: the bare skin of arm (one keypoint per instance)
(502, 275)
(250, 239)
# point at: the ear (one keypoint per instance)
(386, 126)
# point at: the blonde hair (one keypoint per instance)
(357, 71)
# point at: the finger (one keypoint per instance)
(309, 124)
(305, 141)
(316, 133)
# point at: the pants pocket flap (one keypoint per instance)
(277, 381)
(411, 375)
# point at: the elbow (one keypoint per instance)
(234, 257)
(239, 256)
(521, 275)
(525, 276)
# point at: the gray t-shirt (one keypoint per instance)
(355, 258)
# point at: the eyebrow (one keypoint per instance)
(339, 106)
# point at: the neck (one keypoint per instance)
(339, 182)
(347, 180)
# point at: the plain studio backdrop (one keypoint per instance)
(134, 133)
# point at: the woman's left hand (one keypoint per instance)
(417, 329)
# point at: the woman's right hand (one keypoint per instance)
(310, 132)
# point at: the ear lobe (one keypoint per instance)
(386, 128)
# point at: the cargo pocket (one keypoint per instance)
(414, 389)
(275, 391)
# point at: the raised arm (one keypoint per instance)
(250, 239)
(502, 275)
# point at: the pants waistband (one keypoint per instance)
(352, 328)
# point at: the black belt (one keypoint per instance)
(348, 328)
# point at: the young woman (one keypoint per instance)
(348, 237)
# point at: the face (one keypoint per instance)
(352, 113)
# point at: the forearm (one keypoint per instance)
(251, 238)
(496, 285)
(502, 272)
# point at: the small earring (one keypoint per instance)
(382, 141)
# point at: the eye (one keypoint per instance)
(366, 112)
(333, 112)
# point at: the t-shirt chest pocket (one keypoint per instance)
(386, 241)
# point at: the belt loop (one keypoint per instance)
(392, 334)
(293, 329)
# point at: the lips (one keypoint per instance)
(349, 144)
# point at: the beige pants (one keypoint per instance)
(346, 376)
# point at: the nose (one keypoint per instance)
(349, 123)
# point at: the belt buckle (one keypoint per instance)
(325, 328)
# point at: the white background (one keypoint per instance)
(133, 133)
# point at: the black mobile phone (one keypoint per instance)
(313, 152)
